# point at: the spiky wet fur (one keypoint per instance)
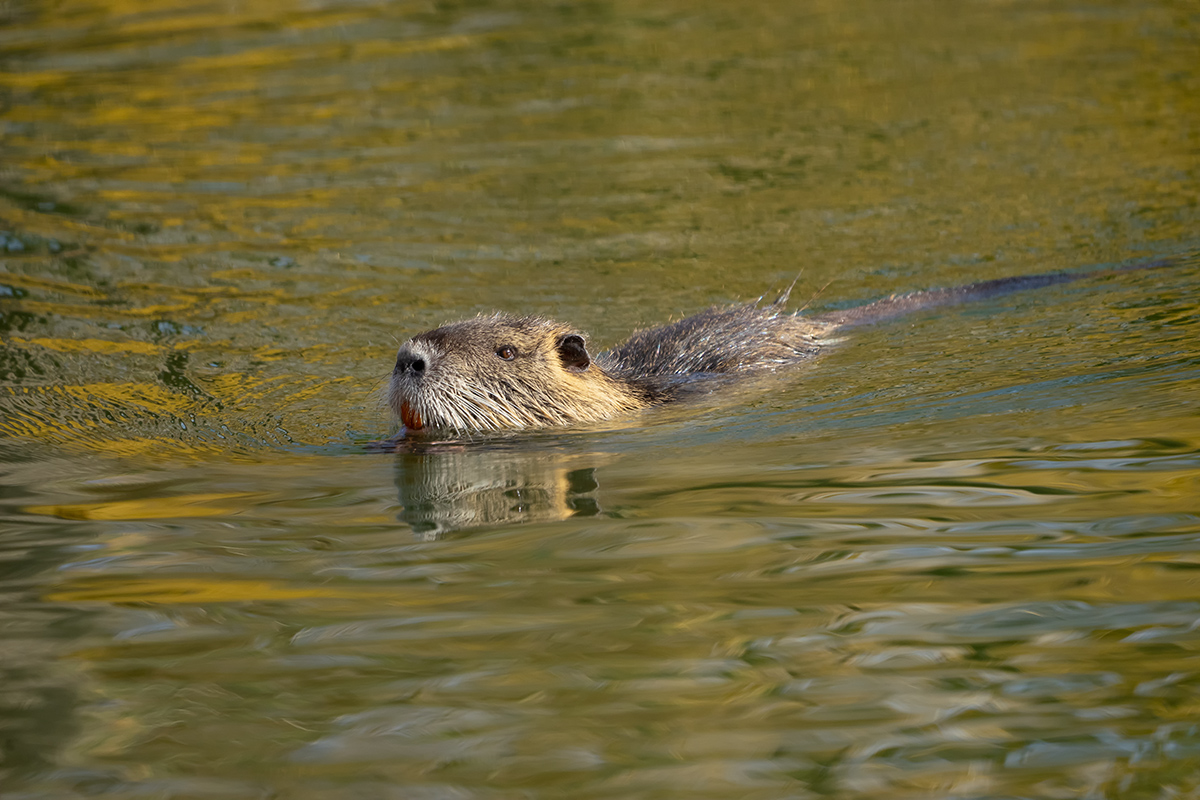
(719, 341)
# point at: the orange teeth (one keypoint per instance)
(411, 419)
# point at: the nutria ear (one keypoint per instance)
(572, 353)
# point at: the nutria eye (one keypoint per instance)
(507, 352)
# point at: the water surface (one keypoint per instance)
(958, 555)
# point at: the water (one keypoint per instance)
(956, 556)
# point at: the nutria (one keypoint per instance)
(499, 371)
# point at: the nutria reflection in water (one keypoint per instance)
(443, 489)
(497, 372)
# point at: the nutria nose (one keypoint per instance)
(408, 361)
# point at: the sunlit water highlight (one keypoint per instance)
(958, 555)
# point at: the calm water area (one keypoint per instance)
(955, 556)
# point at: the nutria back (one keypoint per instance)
(719, 341)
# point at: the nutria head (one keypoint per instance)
(499, 371)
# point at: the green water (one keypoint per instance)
(957, 556)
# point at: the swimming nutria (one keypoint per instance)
(499, 371)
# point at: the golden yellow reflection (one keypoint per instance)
(169, 591)
(174, 507)
(90, 345)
